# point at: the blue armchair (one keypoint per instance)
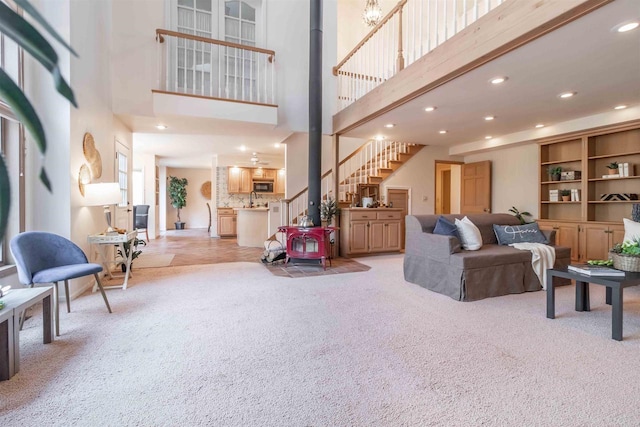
(49, 258)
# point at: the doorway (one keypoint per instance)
(399, 198)
(123, 219)
(447, 187)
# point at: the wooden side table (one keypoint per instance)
(102, 242)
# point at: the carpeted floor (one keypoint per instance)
(233, 345)
(153, 260)
(308, 268)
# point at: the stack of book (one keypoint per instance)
(595, 270)
(575, 195)
(553, 196)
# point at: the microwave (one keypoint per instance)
(263, 186)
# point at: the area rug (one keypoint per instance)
(309, 268)
(153, 260)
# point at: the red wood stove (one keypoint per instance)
(308, 243)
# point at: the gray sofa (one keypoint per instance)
(438, 263)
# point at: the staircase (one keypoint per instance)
(372, 163)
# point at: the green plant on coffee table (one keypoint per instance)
(628, 248)
(127, 247)
(519, 215)
(612, 165)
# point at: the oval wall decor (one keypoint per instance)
(205, 190)
(92, 155)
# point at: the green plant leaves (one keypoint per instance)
(27, 7)
(19, 30)
(5, 196)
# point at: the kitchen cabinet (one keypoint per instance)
(280, 182)
(366, 231)
(226, 222)
(239, 180)
(264, 174)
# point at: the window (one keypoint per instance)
(240, 28)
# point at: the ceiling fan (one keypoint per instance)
(255, 160)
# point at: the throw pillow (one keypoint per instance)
(526, 233)
(470, 236)
(631, 230)
(446, 228)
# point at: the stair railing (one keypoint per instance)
(409, 31)
(355, 169)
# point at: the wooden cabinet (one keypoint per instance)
(591, 225)
(227, 222)
(364, 231)
(280, 182)
(239, 180)
(264, 174)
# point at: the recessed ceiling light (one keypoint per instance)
(243, 148)
(489, 118)
(389, 125)
(488, 137)
(626, 26)
(430, 109)
(565, 95)
(277, 145)
(498, 80)
(161, 127)
(379, 138)
(443, 131)
(539, 125)
(619, 107)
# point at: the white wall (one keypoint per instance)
(418, 174)
(514, 177)
(147, 164)
(195, 213)
(351, 27)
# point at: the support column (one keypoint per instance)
(315, 111)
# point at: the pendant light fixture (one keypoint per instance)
(372, 13)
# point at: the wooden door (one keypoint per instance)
(400, 199)
(476, 188)
(392, 236)
(567, 235)
(595, 242)
(359, 237)
(377, 236)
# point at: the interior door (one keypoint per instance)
(476, 188)
(123, 209)
(400, 199)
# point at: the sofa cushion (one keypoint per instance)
(469, 234)
(490, 255)
(446, 228)
(631, 230)
(525, 233)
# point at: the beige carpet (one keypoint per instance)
(153, 260)
(233, 345)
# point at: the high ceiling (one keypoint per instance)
(602, 66)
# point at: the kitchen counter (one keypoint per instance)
(252, 226)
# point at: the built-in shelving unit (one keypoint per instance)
(592, 225)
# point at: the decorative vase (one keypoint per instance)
(566, 198)
(555, 177)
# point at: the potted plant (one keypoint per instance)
(127, 248)
(519, 215)
(554, 173)
(328, 209)
(613, 168)
(178, 197)
(566, 195)
(626, 255)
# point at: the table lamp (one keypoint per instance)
(103, 194)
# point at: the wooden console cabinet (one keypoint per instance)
(368, 230)
(590, 226)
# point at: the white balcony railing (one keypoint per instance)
(409, 31)
(212, 68)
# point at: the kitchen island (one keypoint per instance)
(252, 226)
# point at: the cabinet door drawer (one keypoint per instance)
(362, 215)
(389, 215)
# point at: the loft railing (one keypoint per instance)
(409, 31)
(368, 160)
(212, 68)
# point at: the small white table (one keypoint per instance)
(102, 242)
(16, 301)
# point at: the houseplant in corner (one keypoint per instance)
(178, 197)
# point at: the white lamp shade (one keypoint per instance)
(102, 194)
